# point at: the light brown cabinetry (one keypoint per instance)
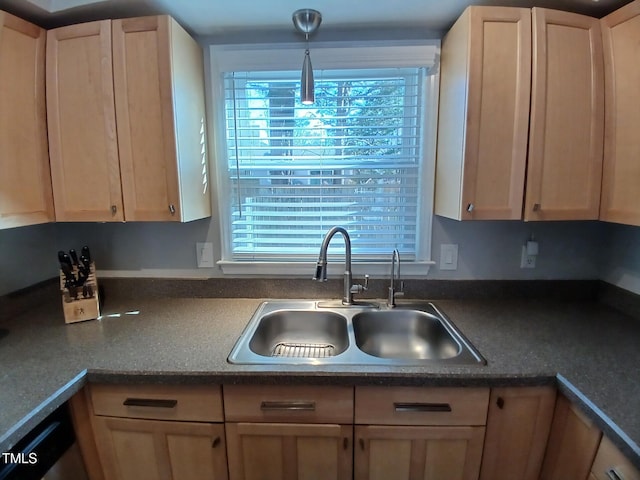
(518, 426)
(484, 114)
(289, 433)
(159, 432)
(488, 60)
(610, 464)
(426, 433)
(125, 101)
(572, 445)
(564, 167)
(25, 183)
(621, 173)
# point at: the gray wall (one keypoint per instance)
(27, 256)
(621, 257)
(487, 250)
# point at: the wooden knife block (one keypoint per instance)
(79, 309)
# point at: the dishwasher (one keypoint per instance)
(48, 452)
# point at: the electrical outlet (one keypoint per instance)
(204, 254)
(526, 260)
(448, 256)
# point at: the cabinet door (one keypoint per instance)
(25, 183)
(145, 113)
(517, 430)
(572, 445)
(567, 118)
(484, 114)
(610, 464)
(82, 127)
(132, 449)
(412, 453)
(278, 451)
(621, 172)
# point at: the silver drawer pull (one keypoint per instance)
(293, 405)
(149, 402)
(613, 474)
(421, 407)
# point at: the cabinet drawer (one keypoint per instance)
(421, 406)
(162, 402)
(308, 404)
(611, 464)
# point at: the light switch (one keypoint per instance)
(204, 253)
(448, 256)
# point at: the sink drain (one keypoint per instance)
(303, 350)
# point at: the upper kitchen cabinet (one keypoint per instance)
(25, 182)
(484, 114)
(621, 175)
(495, 63)
(564, 168)
(126, 122)
(83, 146)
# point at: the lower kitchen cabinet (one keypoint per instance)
(411, 453)
(518, 426)
(611, 464)
(152, 432)
(281, 451)
(572, 445)
(297, 432)
(287, 432)
(133, 449)
(419, 433)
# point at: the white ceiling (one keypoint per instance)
(218, 18)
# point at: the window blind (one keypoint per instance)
(351, 159)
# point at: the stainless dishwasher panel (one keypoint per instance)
(48, 452)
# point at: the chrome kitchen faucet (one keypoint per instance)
(321, 267)
(395, 275)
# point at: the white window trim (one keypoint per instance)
(325, 56)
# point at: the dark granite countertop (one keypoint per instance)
(591, 350)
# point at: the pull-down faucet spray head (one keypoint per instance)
(321, 271)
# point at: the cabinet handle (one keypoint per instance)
(613, 474)
(500, 403)
(345, 443)
(536, 207)
(470, 207)
(149, 402)
(421, 407)
(361, 442)
(172, 209)
(216, 442)
(293, 405)
(114, 209)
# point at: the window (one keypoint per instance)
(360, 157)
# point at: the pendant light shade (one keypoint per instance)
(307, 86)
(307, 22)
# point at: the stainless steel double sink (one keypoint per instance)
(326, 333)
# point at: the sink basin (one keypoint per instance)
(325, 333)
(410, 334)
(300, 334)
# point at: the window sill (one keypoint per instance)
(307, 269)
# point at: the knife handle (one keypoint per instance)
(86, 253)
(68, 272)
(86, 263)
(63, 258)
(74, 256)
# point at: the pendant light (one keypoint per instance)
(307, 22)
